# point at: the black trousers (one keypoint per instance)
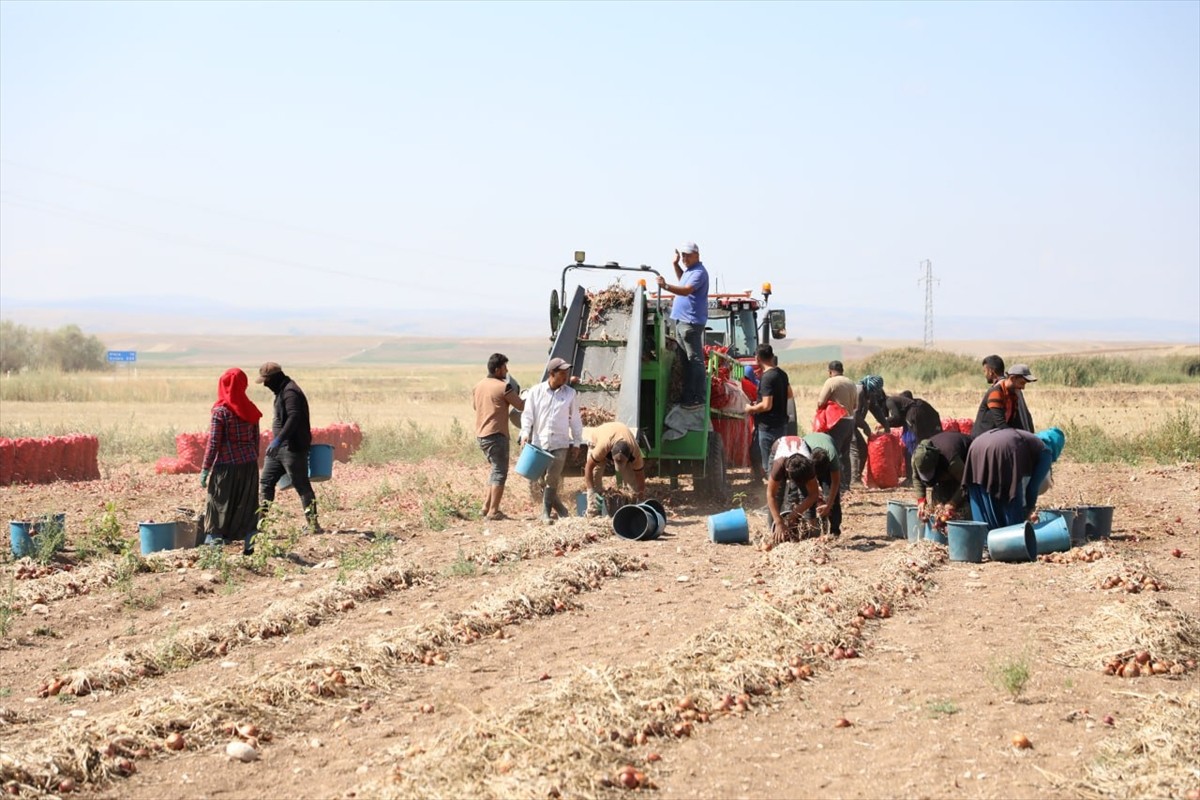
(294, 464)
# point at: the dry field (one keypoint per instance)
(414, 651)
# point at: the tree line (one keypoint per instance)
(67, 349)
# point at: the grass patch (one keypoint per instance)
(409, 442)
(353, 560)
(104, 536)
(1012, 675)
(941, 708)
(6, 607)
(462, 566)
(1176, 440)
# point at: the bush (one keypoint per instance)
(912, 365)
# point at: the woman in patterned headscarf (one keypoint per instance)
(230, 468)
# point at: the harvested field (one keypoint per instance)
(416, 651)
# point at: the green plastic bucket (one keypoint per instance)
(1012, 543)
(729, 527)
(967, 538)
(533, 461)
(156, 536)
(1097, 521)
(662, 513)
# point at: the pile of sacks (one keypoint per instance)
(49, 458)
(345, 438)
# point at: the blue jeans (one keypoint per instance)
(767, 436)
(691, 337)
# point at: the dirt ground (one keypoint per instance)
(512, 659)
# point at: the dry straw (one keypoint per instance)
(75, 748)
(1123, 629)
(570, 742)
(1156, 755)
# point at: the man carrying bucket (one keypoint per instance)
(287, 454)
(552, 422)
(613, 443)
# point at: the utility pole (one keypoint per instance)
(928, 279)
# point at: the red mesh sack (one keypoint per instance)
(8, 457)
(885, 461)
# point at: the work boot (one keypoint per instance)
(557, 505)
(547, 505)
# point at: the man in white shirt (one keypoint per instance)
(552, 422)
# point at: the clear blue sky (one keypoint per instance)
(1045, 156)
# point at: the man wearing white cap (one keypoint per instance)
(551, 421)
(690, 312)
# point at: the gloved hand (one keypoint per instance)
(921, 513)
(273, 448)
(203, 478)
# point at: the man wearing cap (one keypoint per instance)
(493, 398)
(938, 469)
(690, 312)
(1002, 403)
(552, 422)
(839, 396)
(613, 444)
(993, 372)
(291, 439)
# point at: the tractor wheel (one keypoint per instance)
(714, 484)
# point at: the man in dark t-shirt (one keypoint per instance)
(771, 407)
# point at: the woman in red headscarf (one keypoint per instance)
(230, 468)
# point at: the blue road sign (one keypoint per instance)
(115, 356)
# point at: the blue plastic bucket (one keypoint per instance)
(1052, 533)
(729, 527)
(1068, 516)
(897, 520)
(934, 535)
(967, 539)
(20, 537)
(637, 522)
(1012, 543)
(1097, 521)
(533, 462)
(156, 536)
(912, 524)
(320, 462)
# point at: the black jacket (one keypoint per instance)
(915, 415)
(291, 424)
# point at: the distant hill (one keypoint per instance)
(184, 315)
(181, 331)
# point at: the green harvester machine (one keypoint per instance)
(627, 366)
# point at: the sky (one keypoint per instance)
(1043, 157)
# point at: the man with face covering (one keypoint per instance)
(287, 454)
(613, 443)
